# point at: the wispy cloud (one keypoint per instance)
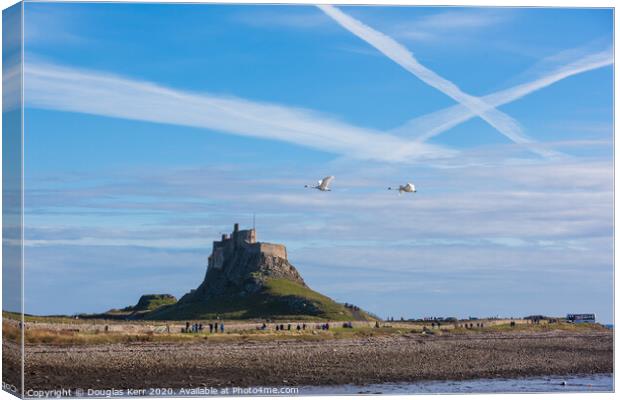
(51, 25)
(454, 23)
(506, 222)
(513, 200)
(433, 124)
(403, 57)
(55, 87)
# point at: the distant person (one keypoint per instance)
(187, 327)
(288, 327)
(264, 326)
(277, 328)
(281, 327)
(298, 327)
(215, 327)
(211, 328)
(303, 327)
(222, 327)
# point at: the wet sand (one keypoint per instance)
(396, 358)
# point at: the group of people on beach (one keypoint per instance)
(300, 327)
(280, 327)
(471, 325)
(216, 327)
(198, 328)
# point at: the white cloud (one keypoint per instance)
(468, 225)
(52, 25)
(532, 202)
(454, 23)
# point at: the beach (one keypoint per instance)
(246, 362)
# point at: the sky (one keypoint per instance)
(151, 128)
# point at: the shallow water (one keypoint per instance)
(568, 384)
(576, 383)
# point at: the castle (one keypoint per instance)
(245, 240)
(239, 265)
(246, 278)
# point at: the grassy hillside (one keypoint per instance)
(280, 299)
(150, 302)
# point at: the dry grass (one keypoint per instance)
(10, 332)
(71, 337)
(75, 335)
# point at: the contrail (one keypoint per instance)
(61, 88)
(403, 57)
(435, 123)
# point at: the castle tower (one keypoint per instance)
(252, 237)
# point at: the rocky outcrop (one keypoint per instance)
(239, 265)
(150, 302)
(247, 279)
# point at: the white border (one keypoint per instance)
(480, 3)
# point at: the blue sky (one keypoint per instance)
(151, 129)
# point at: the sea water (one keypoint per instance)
(567, 384)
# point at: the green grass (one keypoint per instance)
(150, 302)
(281, 299)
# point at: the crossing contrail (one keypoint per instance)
(433, 124)
(403, 57)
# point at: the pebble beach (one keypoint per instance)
(356, 361)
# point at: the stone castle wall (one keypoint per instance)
(242, 239)
(273, 250)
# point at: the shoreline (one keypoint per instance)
(354, 361)
(591, 383)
